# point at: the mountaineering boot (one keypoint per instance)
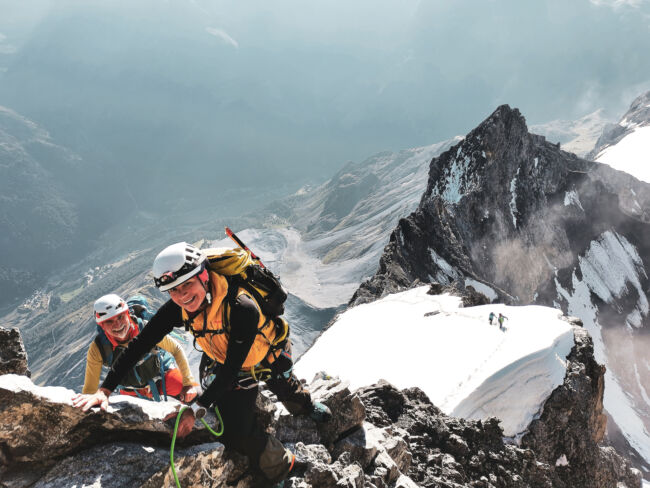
(280, 484)
(320, 413)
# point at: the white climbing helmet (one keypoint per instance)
(176, 264)
(108, 307)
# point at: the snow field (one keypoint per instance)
(466, 366)
(631, 154)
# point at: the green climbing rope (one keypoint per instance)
(178, 419)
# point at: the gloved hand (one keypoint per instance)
(189, 393)
(186, 424)
(188, 417)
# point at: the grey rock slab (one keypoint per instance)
(115, 465)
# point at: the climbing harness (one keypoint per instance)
(178, 419)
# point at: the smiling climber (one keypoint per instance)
(240, 344)
(164, 370)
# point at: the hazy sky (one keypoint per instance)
(277, 90)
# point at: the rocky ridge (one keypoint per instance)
(380, 437)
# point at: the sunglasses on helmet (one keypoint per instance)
(171, 276)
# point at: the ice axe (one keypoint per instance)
(239, 242)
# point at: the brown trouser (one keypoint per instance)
(241, 430)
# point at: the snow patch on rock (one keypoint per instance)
(572, 198)
(562, 461)
(447, 273)
(513, 200)
(453, 184)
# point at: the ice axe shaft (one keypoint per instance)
(239, 242)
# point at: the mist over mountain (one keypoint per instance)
(187, 111)
(576, 136)
(196, 100)
(126, 126)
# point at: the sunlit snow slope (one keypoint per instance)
(626, 146)
(631, 154)
(466, 366)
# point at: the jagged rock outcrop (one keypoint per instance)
(46, 442)
(471, 207)
(38, 424)
(572, 425)
(448, 451)
(531, 223)
(468, 294)
(13, 358)
(380, 437)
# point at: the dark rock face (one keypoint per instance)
(469, 212)
(468, 294)
(13, 358)
(569, 430)
(509, 210)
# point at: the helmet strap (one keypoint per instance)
(204, 277)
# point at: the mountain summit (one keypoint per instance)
(517, 218)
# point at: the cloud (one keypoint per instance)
(6, 48)
(223, 35)
(620, 3)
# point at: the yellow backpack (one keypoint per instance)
(242, 270)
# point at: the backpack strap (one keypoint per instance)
(234, 284)
(105, 348)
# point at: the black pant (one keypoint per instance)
(241, 430)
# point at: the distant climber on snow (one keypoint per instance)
(243, 338)
(501, 319)
(164, 371)
(491, 317)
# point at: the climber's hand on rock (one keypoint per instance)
(86, 402)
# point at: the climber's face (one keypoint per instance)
(189, 295)
(118, 327)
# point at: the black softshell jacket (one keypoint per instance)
(244, 317)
